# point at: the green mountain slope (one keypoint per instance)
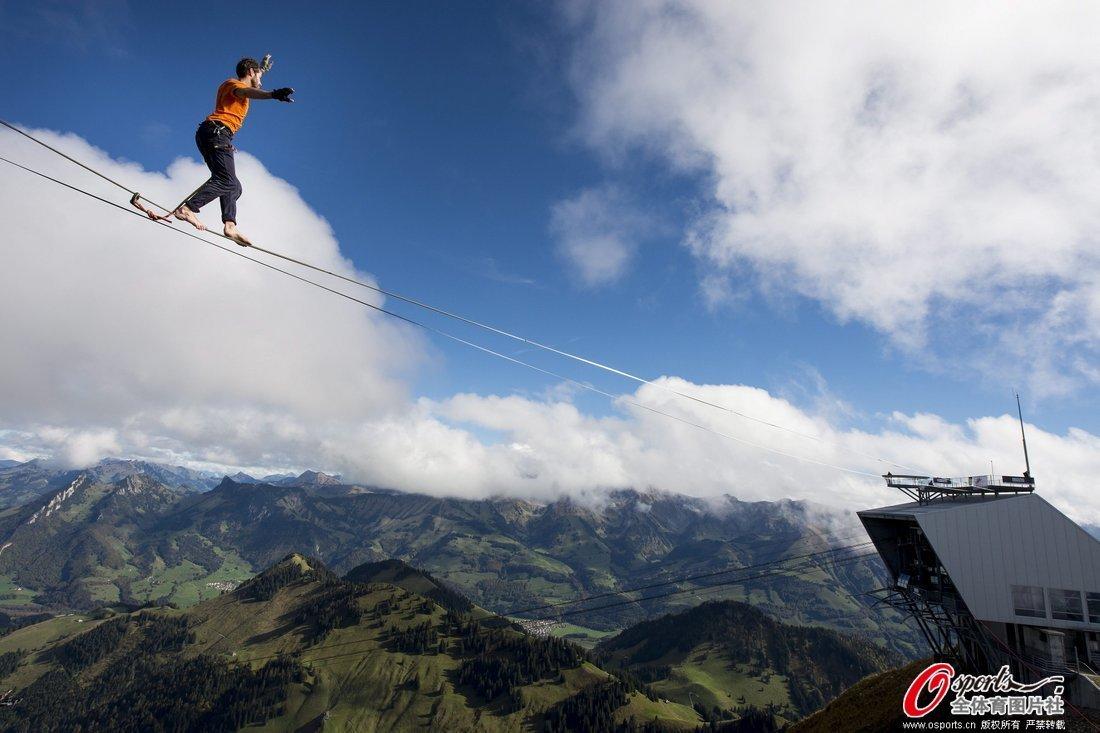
(396, 572)
(726, 656)
(298, 646)
(875, 702)
(92, 542)
(508, 554)
(504, 554)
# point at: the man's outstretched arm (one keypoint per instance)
(283, 95)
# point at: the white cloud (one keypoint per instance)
(73, 447)
(565, 451)
(115, 323)
(550, 448)
(928, 169)
(128, 340)
(597, 232)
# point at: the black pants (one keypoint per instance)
(215, 142)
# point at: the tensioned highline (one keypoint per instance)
(479, 324)
(452, 337)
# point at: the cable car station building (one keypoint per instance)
(994, 575)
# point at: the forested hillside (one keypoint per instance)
(724, 657)
(297, 645)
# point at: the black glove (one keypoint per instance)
(283, 94)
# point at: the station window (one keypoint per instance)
(1066, 604)
(1093, 600)
(1027, 600)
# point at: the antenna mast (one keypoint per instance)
(925, 489)
(1023, 436)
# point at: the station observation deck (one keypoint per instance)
(924, 489)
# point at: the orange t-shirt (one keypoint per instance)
(229, 109)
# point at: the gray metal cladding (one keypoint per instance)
(989, 545)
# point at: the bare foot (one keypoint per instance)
(232, 232)
(185, 214)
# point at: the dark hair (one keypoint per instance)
(246, 65)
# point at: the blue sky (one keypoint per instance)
(436, 139)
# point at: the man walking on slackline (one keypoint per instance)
(215, 140)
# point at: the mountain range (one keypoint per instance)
(120, 535)
(21, 482)
(299, 648)
(387, 647)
